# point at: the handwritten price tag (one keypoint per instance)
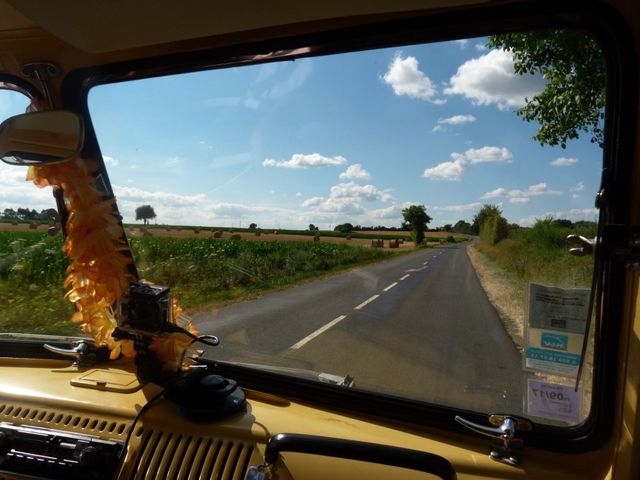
(553, 401)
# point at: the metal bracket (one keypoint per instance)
(82, 352)
(42, 71)
(505, 447)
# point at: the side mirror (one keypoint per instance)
(41, 137)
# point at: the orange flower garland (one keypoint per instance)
(99, 272)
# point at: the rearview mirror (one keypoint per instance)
(41, 137)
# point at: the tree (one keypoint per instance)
(485, 212)
(343, 227)
(313, 228)
(416, 216)
(462, 227)
(253, 226)
(145, 213)
(491, 225)
(573, 66)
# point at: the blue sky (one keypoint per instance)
(345, 138)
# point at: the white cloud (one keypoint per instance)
(360, 192)
(459, 208)
(16, 191)
(457, 120)
(481, 47)
(488, 155)
(143, 196)
(347, 199)
(521, 196)
(405, 78)
(457, 166)
(578, 187)
(491, 79)
(298, 194)
(313, 201)
(110, 161)
(300, 160)
(497, 193)
(462, 42)
(355, 171)
(450, 171)
(387, 213)
(564, 162)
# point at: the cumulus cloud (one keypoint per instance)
(497, 193)
(457, 120)
(459, 208)
(450, 171)
(481, 47)
(455, 168)
(577, 189)
(488, 155)
(110, 161)
(406, 78)
(360, 192)
(300, 160)
(387, 213)
(347, 198)
(355, 171)
(16, 192)
(169, 199)
(491, 79)
(564, 162)
(521, 196)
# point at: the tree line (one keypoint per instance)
(25, 214)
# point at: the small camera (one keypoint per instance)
(147, 308)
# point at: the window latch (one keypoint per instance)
(82, 351)
(505, 447)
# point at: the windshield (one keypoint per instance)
(397, 216)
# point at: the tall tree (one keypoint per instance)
(573, 66)
(416, 216)
(145, 213)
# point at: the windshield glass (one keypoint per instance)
(32, 264)
(396, 215)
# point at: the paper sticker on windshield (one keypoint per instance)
(553, 401)
(555, 329)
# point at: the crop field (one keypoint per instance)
(200, 271)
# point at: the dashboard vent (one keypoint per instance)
(62, 420)
(170, 455)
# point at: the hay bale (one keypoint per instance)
(316, 238)
(217, 234)
(196, 231)
(258, 234)
(275, 232)
(33, 226)
(236, 236)
(393, 244)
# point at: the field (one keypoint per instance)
(201, 271)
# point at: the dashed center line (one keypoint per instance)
(405, 277)
(424, 263)
(321, 330)
(366, 302)
(390, 287)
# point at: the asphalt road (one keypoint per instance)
(417, 326)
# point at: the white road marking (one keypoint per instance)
(405, 277)
(321, 330)
(366, 302)
(390, 287)
(424, 263)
